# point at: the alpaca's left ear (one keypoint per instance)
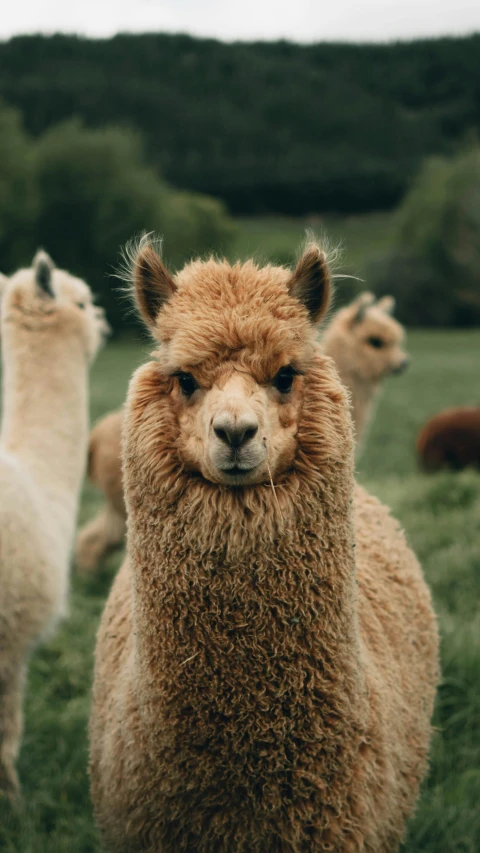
(386, 304)
(310, 282)
(361, 305)
(153, 284)
(43, 266)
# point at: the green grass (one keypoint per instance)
(442, 517)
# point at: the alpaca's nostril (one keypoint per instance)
(249, 433)
(221, 434)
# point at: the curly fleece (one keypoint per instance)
(265, 674)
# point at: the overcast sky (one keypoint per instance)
(298, 20)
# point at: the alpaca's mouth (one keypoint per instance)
(240, 476)
(237, 471)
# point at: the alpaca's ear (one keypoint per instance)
(3, 282)
(153, 284)
(360, 306)
(386, 304)
(43, 266)
(310, 282)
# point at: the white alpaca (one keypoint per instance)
(366, 344)
(50, 333)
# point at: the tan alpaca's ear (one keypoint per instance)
(153, 284)
(386, 304)
(310, 282)
(361, 305)
(43, 267)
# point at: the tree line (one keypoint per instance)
(267, 127)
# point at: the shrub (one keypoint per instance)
(196, 224)
(96, 192)
(434, 269)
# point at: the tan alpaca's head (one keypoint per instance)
(44, 297)
(369, 342)
(235, 342)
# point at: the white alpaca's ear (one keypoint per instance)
(386, 304)
(153, 284)
(3, 282)
(361, 304)
(44, 266)
(310, 282)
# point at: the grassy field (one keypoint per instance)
(441, 515)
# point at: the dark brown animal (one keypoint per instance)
(451, 439)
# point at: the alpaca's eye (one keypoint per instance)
(376, 343)
(81, 304)
(283, 381)
(187, 383)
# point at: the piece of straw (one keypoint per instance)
(189, 659)
(272, 483)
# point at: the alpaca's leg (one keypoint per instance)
(11, 723)
(100, 535)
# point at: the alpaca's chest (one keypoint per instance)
(249, 731)
(243, 675)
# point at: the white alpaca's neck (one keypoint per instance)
(45, 416)
(363, 398)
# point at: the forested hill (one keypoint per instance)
(278, 127)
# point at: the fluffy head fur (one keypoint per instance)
(49, 299)
(261, 685)
(367, 345)
(50, 332)
(235, 420)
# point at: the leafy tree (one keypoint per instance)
(96, 192)
(434, 270)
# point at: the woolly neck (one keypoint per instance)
(45, 406)
(226, 586)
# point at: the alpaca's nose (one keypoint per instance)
(235, 433)
(400, 368)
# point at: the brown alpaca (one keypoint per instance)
(451, 439)
(261, 684)
(107, 529)
(364, 341)
(366, 344)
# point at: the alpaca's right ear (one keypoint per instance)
(387, 304)
(43, 267)
(360, 306)
(153, 284)
(310, 282)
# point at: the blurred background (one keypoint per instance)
(236, 146)
(232, 128)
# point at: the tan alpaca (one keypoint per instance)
(50, 333)
(107, 529)
(261, 684)
(366, 344)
